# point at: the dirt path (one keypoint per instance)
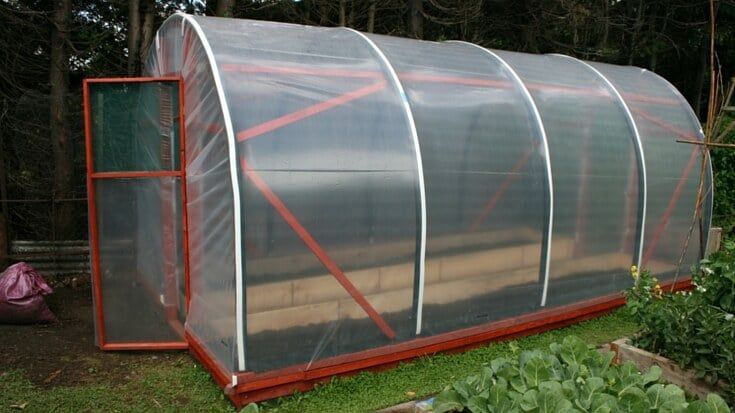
(64, 354)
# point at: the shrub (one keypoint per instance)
(723, 207)
(695, 329)
(569, 377)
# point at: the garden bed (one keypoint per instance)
(569, 376)
(687, 379)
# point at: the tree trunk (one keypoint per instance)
(416, 19)
(224, 8)
(529, 28)
(351, 18)
(342, 12)
(702, 76)
(4, 227)
(371, 17)
(59, 123)
(530, 38)
(323, 13)
(133, 36)
(149, 13)
(602, 45)
(307, 12)
(636, 30)
(653, 58)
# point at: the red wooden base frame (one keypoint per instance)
(255, 387)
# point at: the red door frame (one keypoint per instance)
(92, 210)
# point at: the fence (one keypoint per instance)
(53, 258)
(31, 236)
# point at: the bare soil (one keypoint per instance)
(64, 354)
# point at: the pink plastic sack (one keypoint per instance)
(21, 296)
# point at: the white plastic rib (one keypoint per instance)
(239, 325)
(639, 148)
(419, 166)
(547, 158)
(700, 132)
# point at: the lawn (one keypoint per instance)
(174, 382)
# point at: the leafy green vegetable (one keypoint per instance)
(569, 377)
(251, 408)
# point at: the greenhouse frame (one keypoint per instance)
(292, 202)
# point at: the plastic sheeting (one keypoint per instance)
(485, 193)
(135, 259)
(139, 245)
(21, 296)
(672, 170)
(595, 177)
(125, 122)
(348, 180)
(180, 51)
(349, 191)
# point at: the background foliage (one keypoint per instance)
(723, 162)
(43, 160)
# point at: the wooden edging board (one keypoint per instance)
(670, 371)
(254, 387)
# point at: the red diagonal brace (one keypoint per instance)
(315, 248)
(669, 208)
(651, 248)
(512, 176)
(300, 70)
(423, 77)
(456, 80)
(312, 110)
(650, 99)
(663, 125)
(430, 78)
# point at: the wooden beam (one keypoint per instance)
(713, 144)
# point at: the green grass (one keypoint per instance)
(181, 386)
(185, 386)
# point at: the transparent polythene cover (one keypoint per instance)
(673, 169)
(341, 143)
(179, 51)
(595, 177)
(141, 260)
(127, 125)
(328, 191)
(486, 183)
(135, 128)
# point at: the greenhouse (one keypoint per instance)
(294, 202)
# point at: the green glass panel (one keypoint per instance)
(135, 126)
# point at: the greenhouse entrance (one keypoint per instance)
(136, 179)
